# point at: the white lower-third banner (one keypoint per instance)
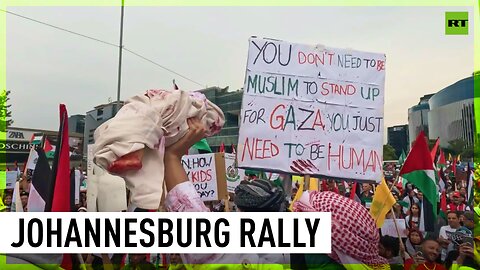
(162, 232)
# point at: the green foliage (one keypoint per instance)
(457, 146)
(5, 112)
(389, 152)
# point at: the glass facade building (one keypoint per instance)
(451, 114)
(398, 138)
(230, 103)
(418, 118)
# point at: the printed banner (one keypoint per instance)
(234, 175)
(312, 110)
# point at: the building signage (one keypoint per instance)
(15, 146)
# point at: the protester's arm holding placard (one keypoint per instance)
(176, 178)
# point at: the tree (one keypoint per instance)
(389, 152)
(457, 146)
(5, 113)
(468, 152)
(431, 143)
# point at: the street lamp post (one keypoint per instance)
(117, 106)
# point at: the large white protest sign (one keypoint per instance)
(388, 228)
(11, 178)
(202, 172)
(234, 175)
(312, 110)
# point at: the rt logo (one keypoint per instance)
(456, 23)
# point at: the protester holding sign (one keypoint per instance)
(183, 197)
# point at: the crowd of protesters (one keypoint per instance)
(357, 243)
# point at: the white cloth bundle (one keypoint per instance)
(151, 122)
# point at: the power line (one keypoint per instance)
(60, 28)
(104, 42)
(165, 68)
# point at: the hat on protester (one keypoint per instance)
(259, 196)
(23, 193)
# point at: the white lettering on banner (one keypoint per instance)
(202, 173)
(165, 232)
(309, 110)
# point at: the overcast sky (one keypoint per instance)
(46, 66)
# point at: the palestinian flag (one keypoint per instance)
(401, 160)
(443, 205)
(41, 189)
(202, 146)
(356, 192)
(441, 165)
(61, 178)
(47, 147)
(433, 153)
(36, 139)
(418, 170)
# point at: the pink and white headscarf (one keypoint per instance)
(355, 236)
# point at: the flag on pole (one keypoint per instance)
(441, 163)
(418, 170)
(222, 148)
(41, 188)
(356, 192)
(31, 161)
(470, 187)
(36, 139)
(47, 147)
(16, 200)
(433, 153)
(299, 193)
(402, 158)
(382, 203)
(62, 200)
(313, 185)
(202, 145)
(454, 167)
(61, 167)
(443, 205)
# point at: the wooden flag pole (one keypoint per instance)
(306, 182)
(402, 246)
(227, 206)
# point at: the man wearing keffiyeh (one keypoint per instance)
(355, 237)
